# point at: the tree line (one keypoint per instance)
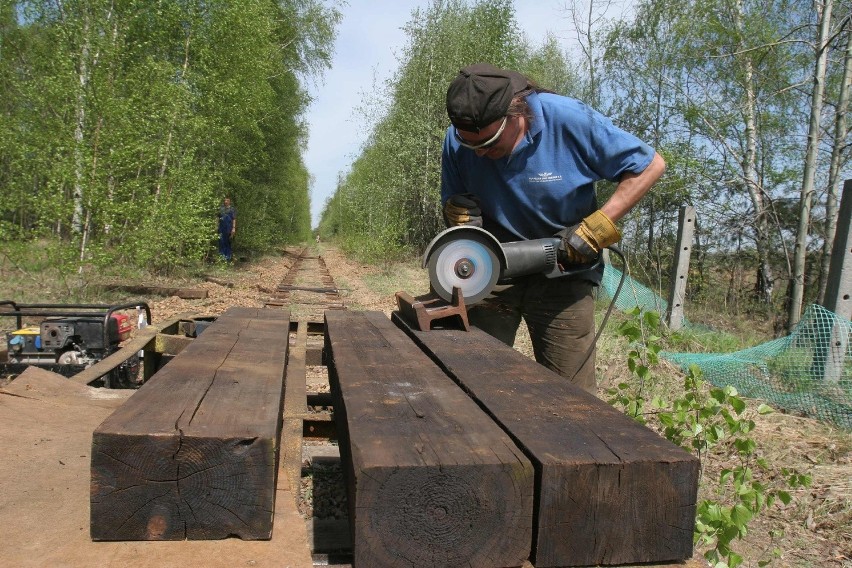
(123, 124)
(745, 99)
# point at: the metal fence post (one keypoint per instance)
(838, 293)
(680, 268)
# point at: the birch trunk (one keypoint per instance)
(809, 174)
(80, 127)
(164, 162)
(765, 278)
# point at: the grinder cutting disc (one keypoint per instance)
(467, 262)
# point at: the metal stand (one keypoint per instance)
(424, 311)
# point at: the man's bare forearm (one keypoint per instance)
(633, 188)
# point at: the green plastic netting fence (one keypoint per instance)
(807, 372)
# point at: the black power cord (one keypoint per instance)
(617, 251)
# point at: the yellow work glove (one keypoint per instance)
(583, 242)
(463, 209)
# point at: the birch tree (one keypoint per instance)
(586, 19)
(735, 96)
(809, 173)
(126, 121)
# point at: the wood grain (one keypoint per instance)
(193, 453)
(608, 490)
(432, 480)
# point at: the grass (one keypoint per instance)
(398, 276)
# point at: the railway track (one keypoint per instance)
(310, 453)
(307, 289)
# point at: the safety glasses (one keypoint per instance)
(487, 144)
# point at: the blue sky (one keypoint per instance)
(369, 39)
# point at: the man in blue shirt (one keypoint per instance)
(227, 227)
(522, 162)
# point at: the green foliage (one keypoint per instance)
(715, 425)
(550, 67)
(640, 357)
(127, 122)
(714, 85)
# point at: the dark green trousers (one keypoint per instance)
(560, 316)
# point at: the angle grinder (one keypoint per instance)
(473, 260)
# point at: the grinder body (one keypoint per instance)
(473, 260)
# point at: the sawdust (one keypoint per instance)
(241, 284)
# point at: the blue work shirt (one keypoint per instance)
(547, 183)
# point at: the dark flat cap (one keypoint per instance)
(480, 94)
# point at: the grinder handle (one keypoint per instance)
(538, 256)
(575, 268)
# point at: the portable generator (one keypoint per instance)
(72, 337)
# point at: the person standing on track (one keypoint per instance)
(227, 228)
(522, 163)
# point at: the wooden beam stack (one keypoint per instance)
(193, 454)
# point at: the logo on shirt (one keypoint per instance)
(545, 177)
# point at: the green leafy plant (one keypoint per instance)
(715, 424)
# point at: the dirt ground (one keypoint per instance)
(46, 424)
(814, 530)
